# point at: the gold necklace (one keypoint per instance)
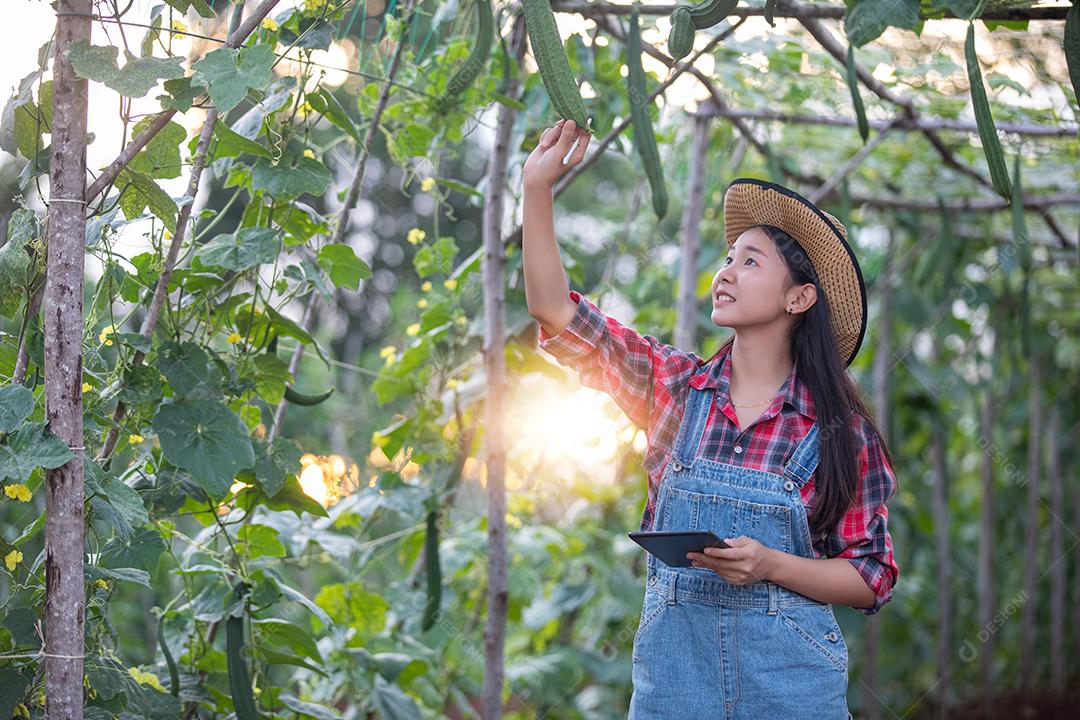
(748, 405)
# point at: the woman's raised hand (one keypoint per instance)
(544, 165)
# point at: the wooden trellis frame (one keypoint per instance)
(909, 118)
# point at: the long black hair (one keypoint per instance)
(836, 395)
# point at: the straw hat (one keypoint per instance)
(749, 202)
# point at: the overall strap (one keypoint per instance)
(805, 458)
(692, 427)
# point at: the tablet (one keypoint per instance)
(671, 546)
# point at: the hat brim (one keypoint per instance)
(749, 202)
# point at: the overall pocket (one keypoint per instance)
(816, 628)
(651, 607)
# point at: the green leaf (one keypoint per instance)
(205, 438)
(242, 249)
(285, 183)
(233, 144)
(344, 267)
(283, 632)
(292, 497)
(140, 551)
(201, 6)
(273, 464)
(96, 572)
(20, 622)
(141, 192)
(867, 19)
(160, 158)
(392, 703)
(15, 260)
(319, 712)
(184, 364)
(182, 93)
(437, 257)
(350, 605)
(259, 540)
(135, 79)
(16, 404)
(228, 73)
(13, 685)
(31, 446)
(28, 129)
(115, 502)
(325, 103)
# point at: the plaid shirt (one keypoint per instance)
(649, 380)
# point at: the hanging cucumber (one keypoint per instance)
(239, 679)
(681, 39)
(641, 123)
(1072, 46)
(478, 56)
(856, 98)
(434, 570)
(984, 121)
(174, 671)
(710, 12)
(547, 48)
(299, 398)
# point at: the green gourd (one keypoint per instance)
(681, 39)
(641, 124)
(547, 48)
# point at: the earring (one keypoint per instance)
(789, 311)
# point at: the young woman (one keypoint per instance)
(767, 444)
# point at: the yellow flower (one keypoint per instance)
(87, 387)
(453, 383)
(234, 338)
(101, 584)
(179, 26)
(462, 320)
(12, 559)
(413, 329)
(312, 5)
(167, 235)
(426, 286)
(421, 303)
(387, 351)
(270, 24)
(304, 109)
(135, 438)
(416, 235)
(105, 333)
(450, 283)
(427, 184)
(18, 492)
(309, 153)
(146, 678)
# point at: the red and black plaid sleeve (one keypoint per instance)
(632, 368)
(862, 535)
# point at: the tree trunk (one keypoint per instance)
(1031, 533)
(686, 304)
(882, 410)
(65, 603)
(1057, 553)
(940, 509)
(494, 271)
(986, 555)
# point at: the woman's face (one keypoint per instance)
(754, 274)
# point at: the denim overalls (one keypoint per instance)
(706, 649)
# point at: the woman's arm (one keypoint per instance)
(831, 580)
